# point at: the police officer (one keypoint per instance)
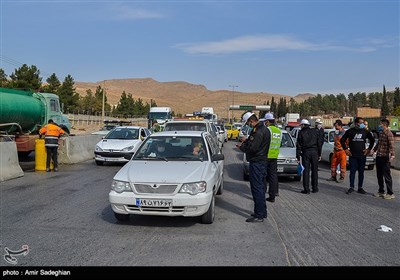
(256, 148)
(51, 134)
(273, 153)
(309, 147)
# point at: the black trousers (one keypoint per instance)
(272, 177)
(383, 172)
(51, 154)
(310, 163)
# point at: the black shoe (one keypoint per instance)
(270, 199)
(305, 192)
(255, 220)
(314, 191)
(277, 194)
(362, 191)
(48, 170)
(253, 215)
(350, 191)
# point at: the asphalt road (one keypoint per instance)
(66, 220)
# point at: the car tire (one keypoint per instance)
(221, 187)
(99, 163)
(245, 176)
(121, 217)
(371, 167)
(297, 178)
(208, 217)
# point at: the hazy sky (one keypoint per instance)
(285, 47)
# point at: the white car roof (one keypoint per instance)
(137, 127)
(179, 133)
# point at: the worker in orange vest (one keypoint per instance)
(339, 155)
(51, 134)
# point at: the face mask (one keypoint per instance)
(319, 126)
(362, 126)
(380, 128)
(161, 149)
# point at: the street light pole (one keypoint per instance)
(233, 97)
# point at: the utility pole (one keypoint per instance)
(233, 97)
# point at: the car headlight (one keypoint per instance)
(127, 149)
(120, 186)
(291, 160)
(193, 188)
(98, 149)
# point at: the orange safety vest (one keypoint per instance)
(51, 133)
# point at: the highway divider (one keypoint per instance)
(79, 148)
(9, 165)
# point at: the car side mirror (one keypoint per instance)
(128, 156)
(217, 157)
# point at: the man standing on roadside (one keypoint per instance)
(384, 155)
(356, 151)
(309, 147)
(256, 148)
(338, 156)
(273, 153)
(51, 134)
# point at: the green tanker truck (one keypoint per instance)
(23, 113)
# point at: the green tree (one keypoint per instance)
(53, 84)
(3, 78)
(273, 105)
(88, 102)
(67, 95)
(26, 77)
(396, 98)
(385, 108)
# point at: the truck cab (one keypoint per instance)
(160, 114)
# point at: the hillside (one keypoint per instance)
(181, 96)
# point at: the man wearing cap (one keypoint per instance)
(309, 147)
(256, 148)
(318, 126)
(273, 153)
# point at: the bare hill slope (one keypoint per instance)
(181, 96)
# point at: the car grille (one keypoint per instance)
(173, 209)
(159, 189)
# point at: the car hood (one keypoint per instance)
(287, 153)
(155, 171)
(117, 144)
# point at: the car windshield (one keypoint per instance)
(185, 126)
(123, 134)
(172, 148)
(286, 141)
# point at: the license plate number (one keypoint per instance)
(153, 202)
(280, 169)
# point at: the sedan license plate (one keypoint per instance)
(280, 169)
(153, 202)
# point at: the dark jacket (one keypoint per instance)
(357, 139)
(256, 145)
(309, 139)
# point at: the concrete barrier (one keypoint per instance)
(9, 165)
(77, 148)
(396, 162)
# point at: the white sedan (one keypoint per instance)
(327, 149)
(168, 176)
(120, 142)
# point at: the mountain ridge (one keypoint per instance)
(183, 97)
